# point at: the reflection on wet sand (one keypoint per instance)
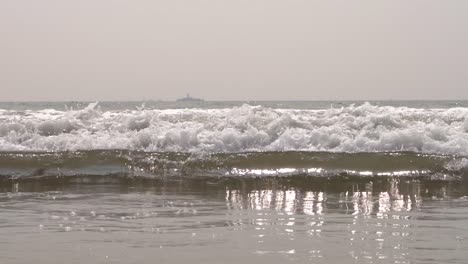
(251, 220)
(358, 201)
(377, 223)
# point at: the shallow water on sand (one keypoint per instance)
(274, 220)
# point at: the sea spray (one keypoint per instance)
(351, 129)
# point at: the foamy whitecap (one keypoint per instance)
(363, 128)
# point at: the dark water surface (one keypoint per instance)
(227, 220)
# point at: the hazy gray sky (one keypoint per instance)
(233, 49)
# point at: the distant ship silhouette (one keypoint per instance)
(188, 98)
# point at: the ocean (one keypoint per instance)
(230, 182)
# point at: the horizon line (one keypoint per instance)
(248, 100)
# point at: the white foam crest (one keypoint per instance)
(457, 164)
(363, 128)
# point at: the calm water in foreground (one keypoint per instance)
(276, 220)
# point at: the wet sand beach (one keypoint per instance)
(275, 220)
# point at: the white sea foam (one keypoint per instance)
(363, 128)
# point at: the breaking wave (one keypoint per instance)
(352, 129)
(171, 165)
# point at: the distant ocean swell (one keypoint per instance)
(247, 141)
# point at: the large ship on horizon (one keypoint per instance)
(188, 98)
